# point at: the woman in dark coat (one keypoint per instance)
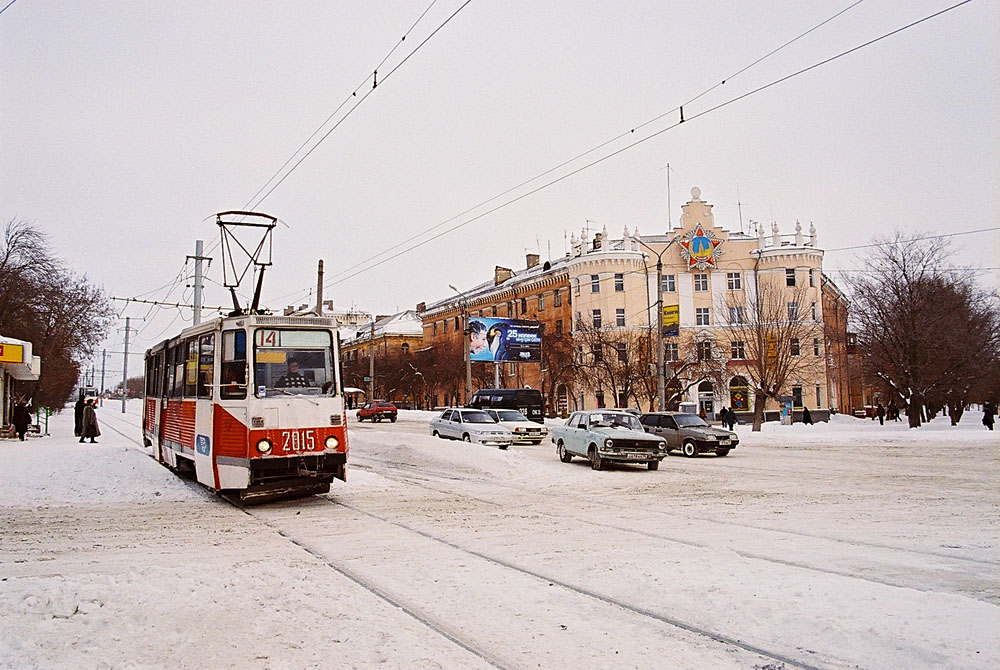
(988, 413)
(21, 419)
(78, 417)
(806, 416)
(90, 427)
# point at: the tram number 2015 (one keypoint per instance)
(298, 440)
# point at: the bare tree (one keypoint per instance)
(925, 332)
(769, 329)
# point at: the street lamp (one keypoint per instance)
(465, 343)
(660, 376)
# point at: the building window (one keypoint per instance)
(815, 346)
(819, 395)
(458, 324)
(812, 278)
(559, 327)
(557, 299)
(596, 318)
(701, 282)
(790, 277)
(619, 282)
(797, 397)
(541, 302)
(435, 328)
(815, 313)
(598, 351)
(796, 348)
(734, 281)
(705, 351)
(494, 310)
(793, 311)
(669, 284)
(510, 308)
(620, 317)
(600, 399)
(739, 351)
(671, 352)
(595, 283)
(524, 305)
(737, 314)
(701, 316)
(405, 348)
(622, 352)
(445, 323)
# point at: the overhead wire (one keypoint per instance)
(651, 136)
(588, 151)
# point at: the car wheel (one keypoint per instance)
(466, 438)
(504, 446)
(360, 420)
(689, 448)
(721, 452)
(595, 459)
(436, 434)
(564, 455)
(392, 419)
(653, 465)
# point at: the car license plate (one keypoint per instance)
(636, 457)
(724, 443)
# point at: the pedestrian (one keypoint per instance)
(880, 412)
(90, 427)
(21, 419)
(806, 416)
(78, 416)
(989, 411)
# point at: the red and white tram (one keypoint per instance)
(250, 405)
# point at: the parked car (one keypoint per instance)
(526, 401)
(525, 432)
(689, 433)
(607, 435)
(377, 410)
(471, 425)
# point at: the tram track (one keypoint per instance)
(578, 496)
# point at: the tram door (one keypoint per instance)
(200, 384)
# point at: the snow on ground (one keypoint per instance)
(838, 545)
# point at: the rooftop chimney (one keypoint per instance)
(500, 275)
(597, 241)
(532, 260)
(421, 306)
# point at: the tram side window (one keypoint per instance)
(180, 353)
(206, 365)
(234, 365)
(191, 369)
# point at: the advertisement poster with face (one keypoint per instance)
(505, 340)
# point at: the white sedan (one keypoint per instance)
(525, 431)
(471, 425)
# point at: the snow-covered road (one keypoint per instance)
(846, 545)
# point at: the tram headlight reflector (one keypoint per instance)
(332, 442)
(264, 446)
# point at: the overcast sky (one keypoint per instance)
(127, 125)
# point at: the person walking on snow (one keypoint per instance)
(90, 426)
(806, 416)
(880, 411)
(21, 419)
(78, 416)
(988, 413)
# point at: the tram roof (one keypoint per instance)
(247, 320)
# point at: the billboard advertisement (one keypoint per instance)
(505, 340)
(671, 320)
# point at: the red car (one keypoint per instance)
(377, 410)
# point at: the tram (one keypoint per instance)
(250, 405)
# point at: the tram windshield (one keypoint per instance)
(293, 362)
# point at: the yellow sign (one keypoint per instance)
(671, 320)
(11, 353)
(772, 348)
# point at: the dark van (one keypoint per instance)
(526, 401)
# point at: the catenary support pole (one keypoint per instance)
(128, 324)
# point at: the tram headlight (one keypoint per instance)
(332, 442)
(264, 446)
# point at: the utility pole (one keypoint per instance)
(128, 323)
(198, 280)
(104, 362)
(319, 288)
(371, 364)
(466, 354)
(660, 372)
